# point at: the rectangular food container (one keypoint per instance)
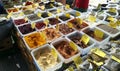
(41, 41)
(56, 42)
(35, 53)
(104, 40)
(109, 32)
(90, 44)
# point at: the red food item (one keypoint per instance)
(28, 3)
(40, 25)
(20, 21)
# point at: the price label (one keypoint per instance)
(70, 69)
(9, 15)
(26, 19)
(116, 59)
(52, 0)
(51, 5)
(73, 46)
(79, 20)
(98, 33)
(92, 18)
(42, 7)
(53, 52)
(117, 22)
(98, 52)
(70, 24)
(112, 24)
(77, 13)
(21, 14)
(39, 14)
(49, 14)
(33, 25)
(67, 15)
(60, 3)
(35, 4)
(113, 10)
(58, 10)
(67, 6)
(43, 35)
(110, 18)
(98, 63)
(57, 17)
(46, 21)
(85, 39)
(57, 27)
(29, 7)
(77, 60)
(99, 6)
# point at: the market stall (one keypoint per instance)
(54, 37)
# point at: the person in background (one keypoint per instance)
(62, 1)
(80, 5)
(69, 2)
(2, 10)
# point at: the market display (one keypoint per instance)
(80, 41)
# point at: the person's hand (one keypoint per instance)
(72, 5)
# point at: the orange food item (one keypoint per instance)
(34, 40)
(13, 10)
